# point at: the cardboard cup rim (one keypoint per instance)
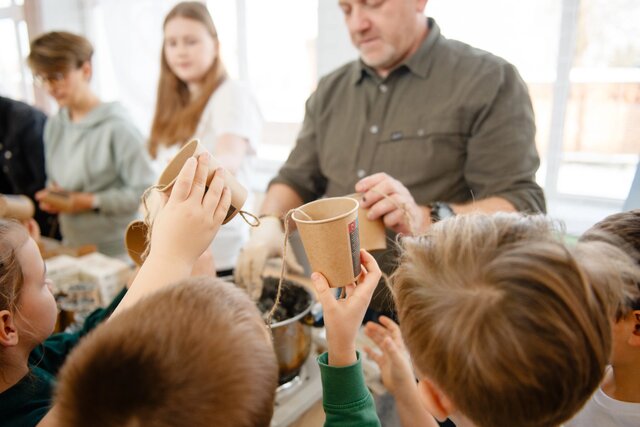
(323, 221)
(187, 151)
(135, 228)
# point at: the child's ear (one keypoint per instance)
(8, 331)
(87, 70)
(434, 400)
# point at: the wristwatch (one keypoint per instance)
(440, 211)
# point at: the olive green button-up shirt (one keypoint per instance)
(453, 123)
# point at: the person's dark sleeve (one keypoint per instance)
(302, 170)
(52, 353)
(345, 397)
(30, 136)
(502, 158)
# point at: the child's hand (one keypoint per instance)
(395, 365)
(204, 266)
(343, 317)
(191, 217)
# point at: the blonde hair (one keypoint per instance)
(508, 321)
(177, 114)
(12, 237)
(194, 354)
(59, 51)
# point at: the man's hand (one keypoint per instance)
(398, 209)
(343, 317)
(266, 242)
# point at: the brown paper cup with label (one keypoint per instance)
(372, 232)
(16, 207)
(59, 199)
(135, 240)
(329, 232)
(192, 149)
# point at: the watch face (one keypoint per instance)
(440, 211)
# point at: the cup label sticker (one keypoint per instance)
(354, 239)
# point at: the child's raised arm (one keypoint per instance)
(397, 373)
(182, 230)
(345, 397)
(343, 317)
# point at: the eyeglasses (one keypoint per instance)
(50, 79)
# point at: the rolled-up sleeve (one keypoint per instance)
(502, 158)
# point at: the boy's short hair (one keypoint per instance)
(505, 319)
(623, 230)
(58, 51)
(194, 354)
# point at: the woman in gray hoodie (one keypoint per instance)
(96, 163)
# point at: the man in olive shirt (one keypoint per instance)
(439, 127)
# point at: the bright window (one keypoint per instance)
(587, 103)
(15, 81)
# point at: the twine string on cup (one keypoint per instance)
(283, 269)
(255, 221)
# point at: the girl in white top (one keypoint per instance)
(196, 99)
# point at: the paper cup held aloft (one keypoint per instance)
(372, 232)
(193, 149)
(329, 232)
(135, 240)
(16, 207)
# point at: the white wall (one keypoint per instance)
(334, 45)
(63, 15)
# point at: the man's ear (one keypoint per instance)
(8, 331)
(434, 400)
(634, 338)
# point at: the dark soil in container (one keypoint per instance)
(293, 300)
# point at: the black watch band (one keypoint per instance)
(440, 211)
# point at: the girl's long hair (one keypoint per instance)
(177, 114)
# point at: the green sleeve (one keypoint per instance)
(52, 353)
(345, 397)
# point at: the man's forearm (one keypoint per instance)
(488, 205)
(280, 198)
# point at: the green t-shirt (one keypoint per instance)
(28, 401)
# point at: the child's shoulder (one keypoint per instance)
(603, 410)
(28, 401)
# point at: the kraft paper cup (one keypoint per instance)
(135, 240)
(193, 149)
(59, 199)
(329, 232)
(373, 236)
(16, 207)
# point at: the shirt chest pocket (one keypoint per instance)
(423, 150)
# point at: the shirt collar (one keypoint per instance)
(419, 63)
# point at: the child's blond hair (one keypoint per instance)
(510, 323)
(12, 237)
(194, 354)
